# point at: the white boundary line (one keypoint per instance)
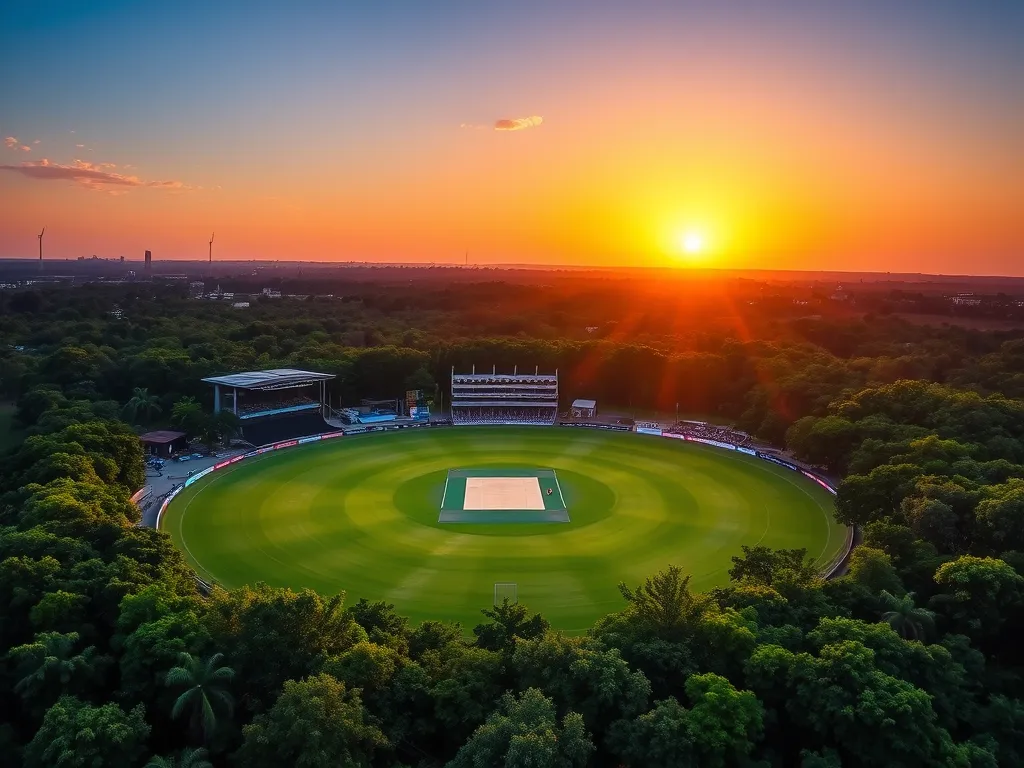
(444, 495)
(559, 486)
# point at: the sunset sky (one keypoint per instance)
(780, 135)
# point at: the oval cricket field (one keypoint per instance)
(360, 514)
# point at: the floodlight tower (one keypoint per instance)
(40, 236)
(211, 247)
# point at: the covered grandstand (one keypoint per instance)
(494, 398)
(276, 404)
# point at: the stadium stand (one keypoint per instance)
(273, 430)
(709, 432)
(504, 398)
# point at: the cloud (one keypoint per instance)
(11, 142)
(474, 126)
(518, 123)
(26, 148)
(36, 141)
(80, 146)
(88, 175)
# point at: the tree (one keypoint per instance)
(217, 427)
(977, 594)
(206, 692)
(906, 618)
(190, 758)
(466, 684)
(508, 621)
(524, 733)
(187, 414)
(664, 602)
(315, 723)
(79, 735)
(142, 405)
(766, 566)
(1001, 516)
(873, 568)
(277, 635)
(50, 666)
(720, 728)
(583, 676)
(840, 698)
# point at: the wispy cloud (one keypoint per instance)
(26, 148)
(518, 123)
(80, 146)
(36, 141)
(94, 176)
(11, 142)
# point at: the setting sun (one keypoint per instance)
(693, 243)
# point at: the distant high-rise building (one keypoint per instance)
(149, 261)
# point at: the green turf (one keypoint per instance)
(360, 514)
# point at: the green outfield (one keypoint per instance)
(363, 514)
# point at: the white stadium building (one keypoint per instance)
(501, 398)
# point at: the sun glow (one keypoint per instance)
(693, 243)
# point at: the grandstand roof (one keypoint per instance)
(584, 403)
(278, 378)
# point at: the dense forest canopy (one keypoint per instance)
(110, 655)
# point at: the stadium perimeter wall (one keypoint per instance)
(827, 571)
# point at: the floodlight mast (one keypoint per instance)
(211, 247)
(40, 236)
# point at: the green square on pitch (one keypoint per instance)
(502, 496)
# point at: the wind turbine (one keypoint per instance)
(211, 248)
(40, 236)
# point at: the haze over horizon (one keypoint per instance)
(781, 135)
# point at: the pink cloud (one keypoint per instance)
(88, 175)
(26, 149)
(11, 142)
(37, 141)
(518, 123)
(80, 146)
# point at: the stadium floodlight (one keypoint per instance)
(505, 590)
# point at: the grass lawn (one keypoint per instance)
(360, 514)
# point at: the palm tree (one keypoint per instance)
(909, 621)
(190, 758)
(205, 692)
(51, 662)
(142, 404)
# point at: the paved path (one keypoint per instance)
(175, 473)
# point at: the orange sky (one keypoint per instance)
(843, 140)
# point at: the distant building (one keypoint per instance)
(584, 409)
(270, 293)
(163, 442)
(966, 300)
(149, 262)
(241, 305)
(195, 289)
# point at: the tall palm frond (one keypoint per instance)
(909, 621)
